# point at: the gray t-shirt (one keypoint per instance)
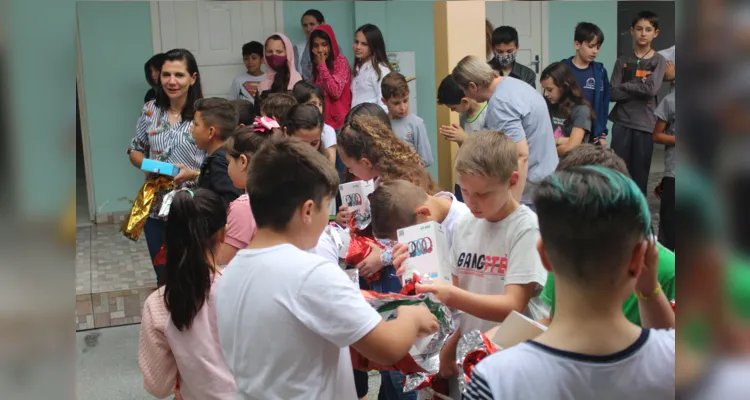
(521, 112)
(580, 117)
(636, 99)
(411, 130)
(666, 112)
(476, 124)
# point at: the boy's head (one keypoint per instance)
(252, 56)
(505, 45)
(486, 170)
(450, 95)
(396, 205)
(644, 28)
(277, 106)
(591, 154)
(474, 76)
(606, 208)
(588, 40)
(245, 110)
(214, 121)
(292, 185)
(395, 95)
(307, 93)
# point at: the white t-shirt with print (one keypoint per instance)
(530, 370)
(286, 318)
(328, 136)
(457, 210)
(486, 256)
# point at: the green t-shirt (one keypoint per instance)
(738, 287)
(630, 307)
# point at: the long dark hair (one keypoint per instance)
(190, 237)
(195, 91)
(376, 44)
(319, 33)
(154, 62)
(572, 95)
(281, 79)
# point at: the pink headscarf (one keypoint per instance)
(294, 76)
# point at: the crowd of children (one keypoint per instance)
(545, 221)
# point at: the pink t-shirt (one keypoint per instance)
(193, 356)
(241, 226)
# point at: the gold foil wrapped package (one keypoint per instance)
(133, 224)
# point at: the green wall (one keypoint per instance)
(563, 18)
(115, 42)
(406, 25)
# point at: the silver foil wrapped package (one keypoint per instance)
(472, 348)
(424, 356)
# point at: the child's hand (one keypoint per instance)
(453, 133)
(649, 279)
(442, 291)
(400, 254)
(448, 364)
(342, 217)
(320, 58)
(425, 321)
(371, 264)
(669, 71)
(185, 174)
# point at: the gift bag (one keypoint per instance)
(133, 224)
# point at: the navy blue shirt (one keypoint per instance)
(586, 81)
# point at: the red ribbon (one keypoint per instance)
(475, 356)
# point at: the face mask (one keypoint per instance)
(276, 61)
(506, 59)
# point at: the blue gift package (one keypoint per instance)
(159, 167)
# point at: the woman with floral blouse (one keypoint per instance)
(163, 134)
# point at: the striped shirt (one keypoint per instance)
(158, 140)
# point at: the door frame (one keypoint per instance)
(83, 115)
(544, 62)
(156, 26)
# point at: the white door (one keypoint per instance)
(527, 18)
(214, 31)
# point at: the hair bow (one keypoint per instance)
(265, 124)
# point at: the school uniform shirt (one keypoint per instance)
(594, 83)
(457, 210)
(366, 85)
(476, 124)
(328, 137)
(635, 99)
(214, 176)
(521, 112)
(411, 129)
(158, 140)
(286, 318)
(666, 112)
(531, 370)
(580, 117)
(245, 86)
(193, 355)
(486, 256)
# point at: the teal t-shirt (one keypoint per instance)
(630, 306)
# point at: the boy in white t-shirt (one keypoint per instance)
(245, 85)
(591, 351)
(399, 204)
(496, 268)
(286, 317)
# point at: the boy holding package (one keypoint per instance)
(496, 268)
(302, 308)
(591, 351)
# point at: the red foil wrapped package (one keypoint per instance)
(424, 356)
(472, 348)
(359, 249)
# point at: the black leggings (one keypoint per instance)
(361, 383)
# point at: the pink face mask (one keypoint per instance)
(276, 61)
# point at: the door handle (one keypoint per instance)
(536, 63)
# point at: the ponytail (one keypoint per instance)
(191, 235)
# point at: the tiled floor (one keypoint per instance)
(113, 277)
